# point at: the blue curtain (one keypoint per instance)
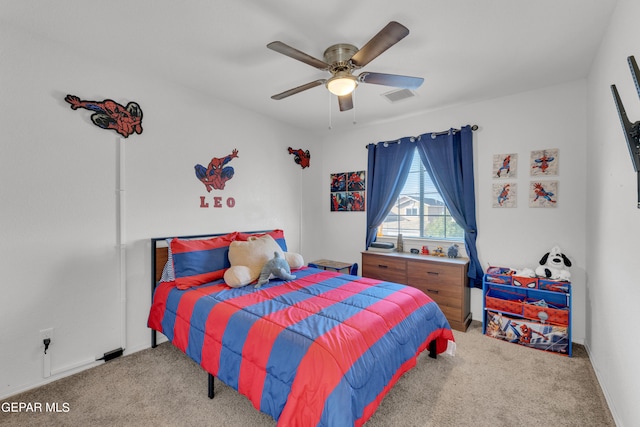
(448, 158)
(388, 168)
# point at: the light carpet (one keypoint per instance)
(487, 383)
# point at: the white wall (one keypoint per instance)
(58, 214)
(553, 117)
(613, 220)
(59, 210)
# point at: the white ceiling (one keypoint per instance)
(466, 50)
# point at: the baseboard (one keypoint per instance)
(607, 395)
(131, 350)
(57, 374)
(68, 370)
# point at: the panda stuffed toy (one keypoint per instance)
(553, 265)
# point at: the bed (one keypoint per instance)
(320, 350)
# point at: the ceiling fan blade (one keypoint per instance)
(391, 34)
(294, 53)
(395, 80)
(345, 102)
(298, 89)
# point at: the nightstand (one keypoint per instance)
(327, 264)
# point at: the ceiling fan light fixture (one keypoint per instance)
(342, 84)
(342, 59)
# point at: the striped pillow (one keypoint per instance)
(167, 272)
(196, 262)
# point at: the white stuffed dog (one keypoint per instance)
(553, 265)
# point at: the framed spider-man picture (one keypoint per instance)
(505, 195)
(544, 162)
(347, 191)
(543, 194)
(505, 165)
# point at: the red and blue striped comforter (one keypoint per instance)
(321, 350)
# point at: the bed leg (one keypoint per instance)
(154, 342)
(433, 352)
(210, 393)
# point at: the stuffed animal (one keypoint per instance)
(553, 265)
(248, 257)
(275, 267)
(452, 252)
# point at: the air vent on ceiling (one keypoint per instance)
(399, 95)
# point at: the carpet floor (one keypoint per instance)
(487, 383)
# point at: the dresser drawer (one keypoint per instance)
(443, 279)
(381, 267)
(440, 281)
(452, 314)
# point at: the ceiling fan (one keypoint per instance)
(342, 59)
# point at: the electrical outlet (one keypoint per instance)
(46, 333)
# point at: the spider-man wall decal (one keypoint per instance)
(301, 157)
(216, 175)
(108, 114)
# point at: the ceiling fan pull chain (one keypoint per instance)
(354, 108)
(329, 110)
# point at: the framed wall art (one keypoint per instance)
(347, 191)
(544, 162)
(505, 165)
(543, 194)
(505, 195)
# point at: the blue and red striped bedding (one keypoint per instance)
(321, 350)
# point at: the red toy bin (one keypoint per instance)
(554, 285)
(558, 315)
(499, 275)
(525, 282)
(508, 302)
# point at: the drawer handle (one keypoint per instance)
(435, 291)
(433, 272)
(382, 266)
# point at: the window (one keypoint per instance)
(420, 210)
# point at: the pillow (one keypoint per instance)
(168, 274)
(278, 236)
(294, 260)
(196, 262)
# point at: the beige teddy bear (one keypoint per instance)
(248, 257)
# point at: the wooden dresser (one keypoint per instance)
(443, 279)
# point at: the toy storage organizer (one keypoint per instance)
(532, 312)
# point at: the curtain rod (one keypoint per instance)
(433, 135)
